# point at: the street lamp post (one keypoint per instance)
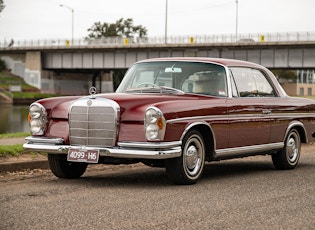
(166, 3)
(236, 20)
(72, 19)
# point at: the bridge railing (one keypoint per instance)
(159, 40)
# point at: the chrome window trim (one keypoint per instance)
(226, 68)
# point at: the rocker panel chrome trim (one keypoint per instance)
(247, 150)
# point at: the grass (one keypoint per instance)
(16, 150)
(7, 79)
(11, 150)
(32, 95)
(14, 135)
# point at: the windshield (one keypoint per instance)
(175, 77)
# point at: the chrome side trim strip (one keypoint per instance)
(229, 152)
(244, 116)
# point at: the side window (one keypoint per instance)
(252, 83)
(207, 83)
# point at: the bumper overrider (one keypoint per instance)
(137, 150)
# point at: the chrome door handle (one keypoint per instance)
(266, 111)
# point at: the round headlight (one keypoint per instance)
(152, 131)
(151, 116)
(35, 111)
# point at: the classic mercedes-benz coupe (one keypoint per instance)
(175, 113)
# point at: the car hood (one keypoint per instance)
(133, 106)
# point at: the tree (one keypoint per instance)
(121, 28)
(1, 5)
(285, 75)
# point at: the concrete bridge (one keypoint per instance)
(57, 66)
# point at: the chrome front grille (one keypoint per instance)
(93, 122)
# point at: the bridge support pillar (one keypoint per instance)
(33, 68)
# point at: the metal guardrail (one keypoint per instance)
(194, 39)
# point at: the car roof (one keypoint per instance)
(222, 61)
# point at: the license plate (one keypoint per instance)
(83, 155)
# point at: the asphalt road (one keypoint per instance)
(238, 194)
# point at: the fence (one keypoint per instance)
(192, 39)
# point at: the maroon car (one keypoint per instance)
(175, 113)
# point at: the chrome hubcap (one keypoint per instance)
(292, 149)
(193, 157)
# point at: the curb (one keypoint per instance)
(19, 166)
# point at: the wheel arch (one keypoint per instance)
(208, 136)
(300, 129)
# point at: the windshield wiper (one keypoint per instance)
(144, 90)
(160, 89)
(171, 90)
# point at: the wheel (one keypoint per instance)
(289, 156)
(62, 168)
(188, 168)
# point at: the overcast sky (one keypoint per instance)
(45, 19)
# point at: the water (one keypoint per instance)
(13, 118)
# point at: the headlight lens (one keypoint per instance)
(35, 111)
(37, 119)
(154, 124)
(151, 115)
(152, 132)
(35, 126)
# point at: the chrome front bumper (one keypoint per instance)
(139, 150)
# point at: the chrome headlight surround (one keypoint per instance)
(37, 119)
(154, 124)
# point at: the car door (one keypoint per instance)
(248, 109)
(248, 121)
